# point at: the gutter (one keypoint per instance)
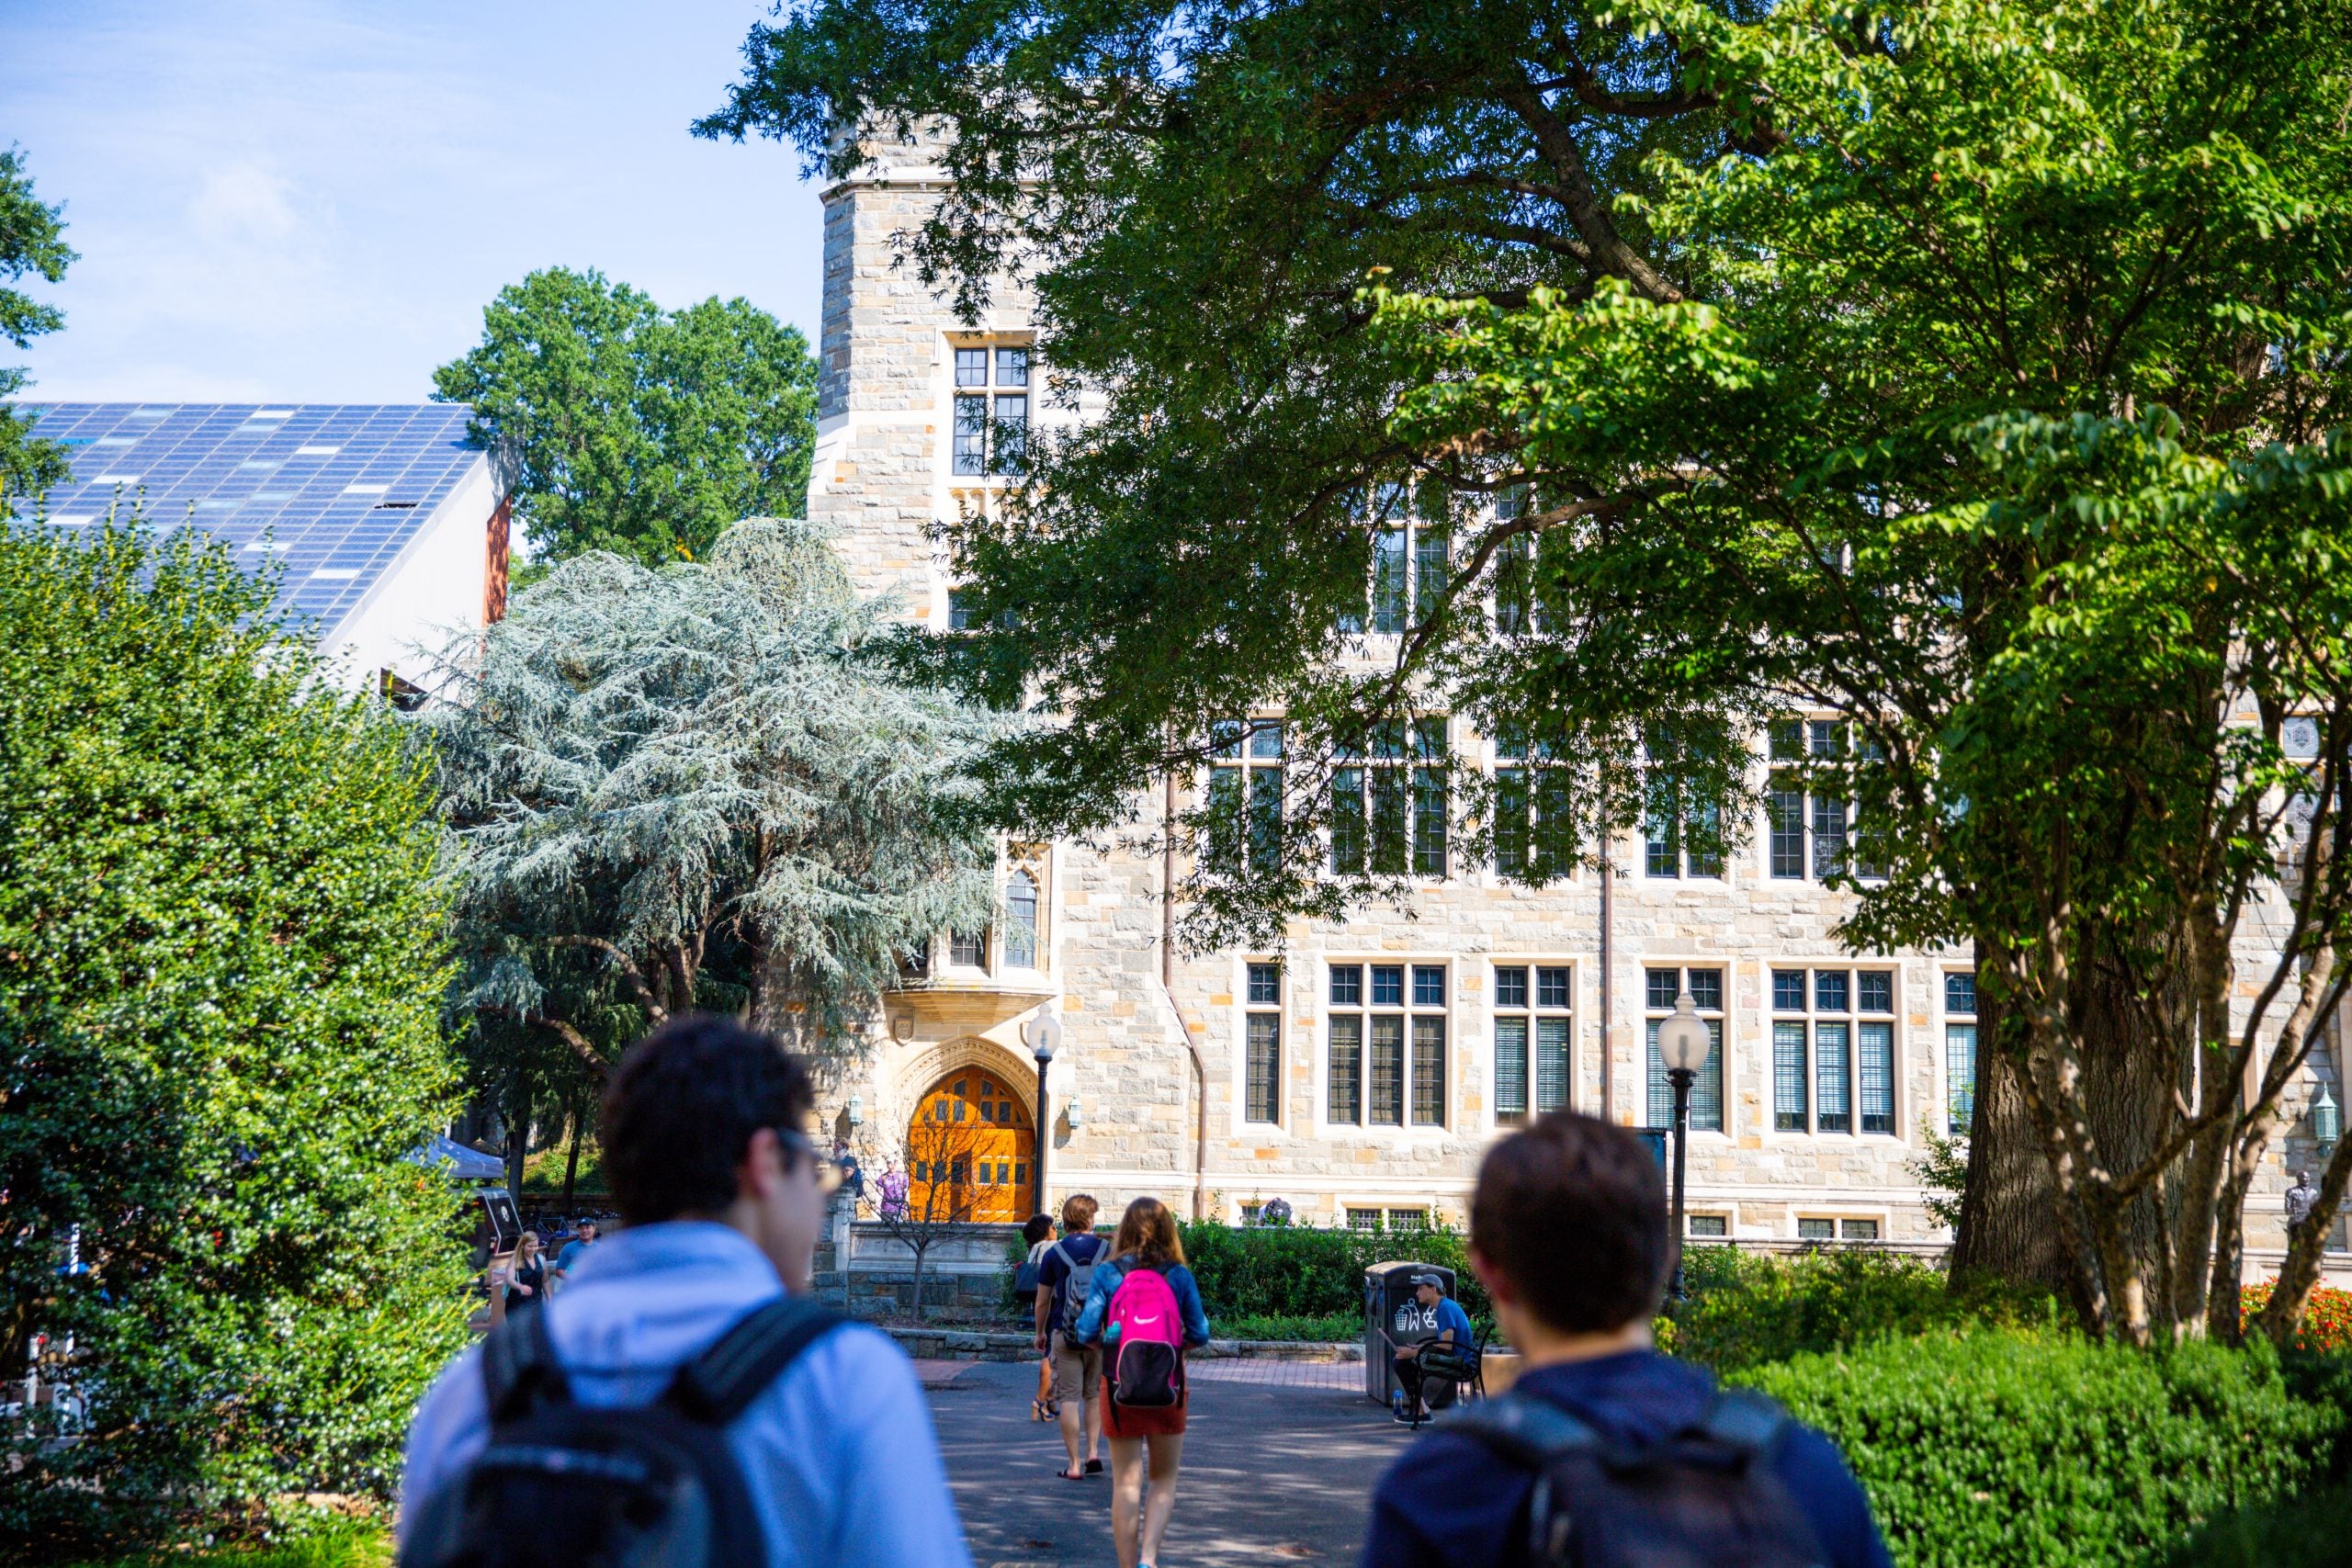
(1168, 994)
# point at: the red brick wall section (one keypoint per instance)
(493, 576)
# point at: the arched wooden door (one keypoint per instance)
(969, 1149)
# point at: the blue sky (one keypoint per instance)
(289, 202)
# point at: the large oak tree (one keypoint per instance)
(1970, 374)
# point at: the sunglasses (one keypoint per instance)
(828, 1169)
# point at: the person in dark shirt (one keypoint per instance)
(1569, 1233)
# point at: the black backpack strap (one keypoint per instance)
(717, 1386)
(1528, 1431)
(519, 1369)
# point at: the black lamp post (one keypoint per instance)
(1042, 1035)
(1682, 1047)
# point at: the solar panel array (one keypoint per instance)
(329, 492)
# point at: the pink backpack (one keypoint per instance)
(1148, 1368)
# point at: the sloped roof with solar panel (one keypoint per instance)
(332, 492)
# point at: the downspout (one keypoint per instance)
(1608, 1015)
(1168, 991)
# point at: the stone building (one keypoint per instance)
(1359, 1072)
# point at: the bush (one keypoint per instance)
(1748, 1309)
(1995, 1448)
(2303, 1532)
(1338, 1326)
(222, 962)
(1300, 1271)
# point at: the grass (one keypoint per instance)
(543, 1172)
(348, 1545)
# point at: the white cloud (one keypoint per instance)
(244, 202)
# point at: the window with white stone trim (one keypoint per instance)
(1385, 1042)
(1534, 1039)
(1833, 1051)
(992, 422)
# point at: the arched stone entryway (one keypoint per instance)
(971, 1148)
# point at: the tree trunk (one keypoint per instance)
(518, 1136)
(2009, 1226)
(921, 1247)
(571, 1159)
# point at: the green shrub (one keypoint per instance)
(1300, 1271)
(2310, 1531)
(1995, 1448)
(222, 962)
(1748, 1309)
(1344, 1325)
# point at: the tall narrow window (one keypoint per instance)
(1389, 592)
(1021, 921)
(1661, 988)
(1532, 1035)
(1874, 1075)
(1431, 553)
(1514, 576)
(1510, 1057)
(991, 426)
(969, 949)
(1960, 1054)
(1431, 806)
(1245, 802)
(1345, 1075)
(1429, 1045)
(1534, 838)
(1684, 836)
(1263, 1065)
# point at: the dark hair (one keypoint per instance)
(1037, 1228)
(1573, 1211)
(681, 1109)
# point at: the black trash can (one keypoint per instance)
(1390, 1313)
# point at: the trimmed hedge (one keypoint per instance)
(1300, 1271)
(1997, 1447)
(1748, 1309)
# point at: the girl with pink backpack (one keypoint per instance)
(1143, 1308)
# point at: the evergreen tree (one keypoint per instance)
(31, 241)
(701, 784)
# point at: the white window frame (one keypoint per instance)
(1246, 1010)
(1366, 1010)
(1535, 1011)
(997, 385)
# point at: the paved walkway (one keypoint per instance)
(1279, 1464)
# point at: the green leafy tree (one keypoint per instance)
(31, 241)
(1966, 374)
(633, 430)
(221, 959)
(701, 785)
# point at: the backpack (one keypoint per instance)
(1080, 1281)
(614, 1487)
(1024, 1280)
(1705, 1497)
(1148, 1371)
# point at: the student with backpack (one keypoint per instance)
(1036, 1233)
(685, 1402)
(1605, 1454)
(1065, 1280)
(1143, 1307)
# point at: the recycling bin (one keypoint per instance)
(1390, 1313)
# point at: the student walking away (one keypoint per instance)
(1064, 1281)
(1642, 1459)
(1143, 1307)
(1039, 1232)
(685, 1402)
(1436, 1319)
(526, 1281)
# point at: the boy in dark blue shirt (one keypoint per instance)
(1568, 1233)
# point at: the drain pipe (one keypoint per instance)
(1607, 1076)
(1168, 991)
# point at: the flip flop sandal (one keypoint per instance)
(1066, 1475)
(1094, 1467)
(1038, 1411)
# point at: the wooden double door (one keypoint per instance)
(971, 1148)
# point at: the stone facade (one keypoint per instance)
(1138, 1056)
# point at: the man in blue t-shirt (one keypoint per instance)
(1434, 1316)
(1569, 1234)
(1078, 1368)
